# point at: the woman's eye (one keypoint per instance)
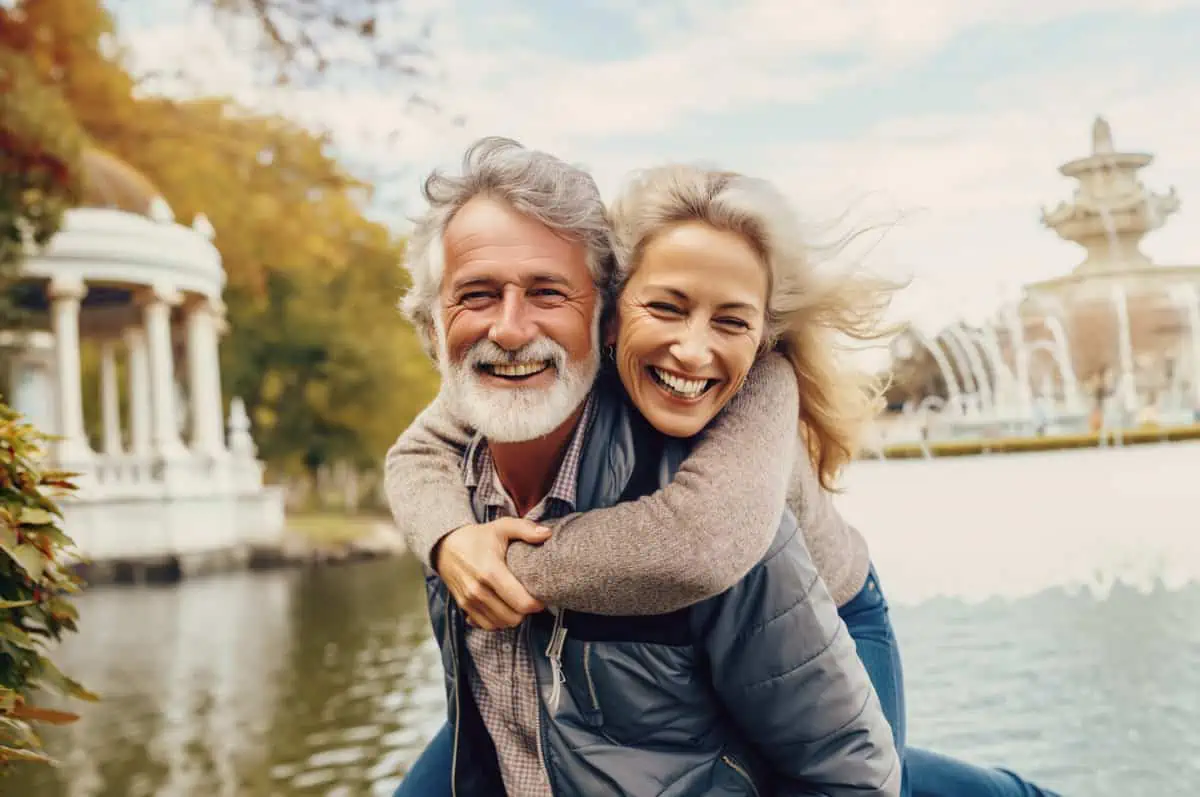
(733, 323)
(663, 307)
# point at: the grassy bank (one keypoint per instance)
(1016, 445)
(328, 529)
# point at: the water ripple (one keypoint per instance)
(1046, 608)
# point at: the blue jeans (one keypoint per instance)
(926, 774)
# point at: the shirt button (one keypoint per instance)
(508, 647)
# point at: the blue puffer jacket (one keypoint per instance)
(757, 691)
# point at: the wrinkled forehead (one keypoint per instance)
(487, 240)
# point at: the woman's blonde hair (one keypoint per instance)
(811, 316)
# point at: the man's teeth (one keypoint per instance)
(687, 387)
(518, 369)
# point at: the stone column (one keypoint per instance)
(110, 408)
(140, 412)
(65, 298)
(157, 312)
(204, 376)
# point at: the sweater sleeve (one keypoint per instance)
(694, 538)
(423, 479)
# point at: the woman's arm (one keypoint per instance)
(691, 540)
(423, 479)
(694, 538)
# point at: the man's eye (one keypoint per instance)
(548, 293)
(474, 297)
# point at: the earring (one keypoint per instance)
(610, 353)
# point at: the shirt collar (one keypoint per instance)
(479, 471)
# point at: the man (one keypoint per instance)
(510, 270)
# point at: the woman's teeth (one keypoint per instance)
(517, 370)
(688, 388)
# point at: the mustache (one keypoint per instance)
(486, 352)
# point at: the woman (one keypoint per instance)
(686, 336)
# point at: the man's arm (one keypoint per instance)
(694, 538)
(788, 673)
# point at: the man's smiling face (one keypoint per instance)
(518, 323)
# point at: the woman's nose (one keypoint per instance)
(692, 350)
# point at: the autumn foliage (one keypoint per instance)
(327, 368)
(35, 585)
(329, 371)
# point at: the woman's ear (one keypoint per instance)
(608, 329)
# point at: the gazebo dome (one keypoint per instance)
(111, 183)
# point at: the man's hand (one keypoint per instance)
(471, 560)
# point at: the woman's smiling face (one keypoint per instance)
(690, 322)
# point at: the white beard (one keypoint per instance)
(516, 414)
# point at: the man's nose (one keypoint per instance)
(514, 327)
(693, 350)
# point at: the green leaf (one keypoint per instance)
(17, 733)
(17, 754)
(36, 516)
(11, 633)
(14, 604)
(49, 675)
(8, 537)
(31, 560)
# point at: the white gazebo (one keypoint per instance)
(163, 484)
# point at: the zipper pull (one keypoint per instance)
(558, 638)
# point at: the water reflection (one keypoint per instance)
(1092, 696)
(322, 682)
(1047, 617)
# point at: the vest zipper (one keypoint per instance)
(736, 767)
(554, 649)
(587, 675)
(453, 639)
(541, 720)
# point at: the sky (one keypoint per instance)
(940, 124)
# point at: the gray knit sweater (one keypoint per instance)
(700, 534)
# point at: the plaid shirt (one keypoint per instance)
(503, 681)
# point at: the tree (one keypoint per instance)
(329, 370)
(39, 157)
(312, 40)
(327, 367)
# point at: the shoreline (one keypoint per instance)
(294, 551)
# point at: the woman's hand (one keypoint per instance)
(471, 560)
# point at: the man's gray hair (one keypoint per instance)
(536, 184)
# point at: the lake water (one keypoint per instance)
(1047, 607)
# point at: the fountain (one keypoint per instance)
(1003, 383)
(1011, 314)
(988, 369)
(979, 375)
(1109, 215)
(1062, 355)
(1126, 383)
(1188, 298)
(1111, 211)
(954, 395)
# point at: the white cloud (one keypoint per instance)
(969, 184)
(973, 184)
